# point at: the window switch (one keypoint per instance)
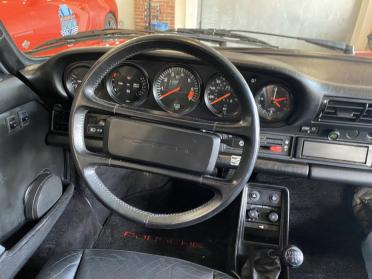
(12, 123)
(24, 119)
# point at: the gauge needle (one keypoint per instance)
(277, 104)
(170, 92)
(191, 94)
(277, 100)
(221, 98)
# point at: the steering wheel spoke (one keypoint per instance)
(220, 186)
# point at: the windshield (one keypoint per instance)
(46, 27)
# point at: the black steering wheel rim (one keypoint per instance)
(87, 162)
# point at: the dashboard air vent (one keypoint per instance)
(60, 120)
(346, 111)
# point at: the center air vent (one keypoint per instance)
(346, 111)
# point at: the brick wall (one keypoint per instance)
(167, 12)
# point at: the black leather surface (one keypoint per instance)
(24, 155)
(13, 259)
(263, 264)
(108, 264)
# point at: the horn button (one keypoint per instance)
(161, 145)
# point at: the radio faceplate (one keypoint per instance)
(334, 151)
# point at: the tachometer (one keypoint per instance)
(220, 98)
(74, 77)
(177, 90)
(128, 84)
(274, 103)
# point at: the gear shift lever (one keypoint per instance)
(292, 256)
(266, 264)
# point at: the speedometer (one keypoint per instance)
(177, 90)
(128, 84)
(220, 98)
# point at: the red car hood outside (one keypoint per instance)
(83, 44)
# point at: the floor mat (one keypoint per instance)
(206, 243)
(195, 244)
(323, 226)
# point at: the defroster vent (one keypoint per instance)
(343, 110)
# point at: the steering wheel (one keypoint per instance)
(161, 143)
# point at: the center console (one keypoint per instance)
(266, 215)
(262, 235)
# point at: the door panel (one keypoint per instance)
(23, 151)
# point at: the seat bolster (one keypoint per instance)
(64, 266)
(116, 264)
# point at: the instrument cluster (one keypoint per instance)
(179, 89)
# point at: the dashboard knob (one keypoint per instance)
(254, 195)
(274, 198)
(253, 214)
(273, 217)
(333, 135)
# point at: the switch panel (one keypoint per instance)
(275, 144)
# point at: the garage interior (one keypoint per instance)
(349, 21)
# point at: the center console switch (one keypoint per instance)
(263, 222)
(263, 209)
(265, 213)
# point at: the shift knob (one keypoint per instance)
(293, 256)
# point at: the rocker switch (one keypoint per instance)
(12, 123)
(24, 119)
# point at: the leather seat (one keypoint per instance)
(123, 264)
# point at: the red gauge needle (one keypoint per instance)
(277, 104)
(170, 92)
(279, 99)
(191, 94)
(221, 98)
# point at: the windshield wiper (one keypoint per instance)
(88, 35)
(221, 36)
(333, 45)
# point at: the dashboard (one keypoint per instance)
(191, 90)
(315, 110)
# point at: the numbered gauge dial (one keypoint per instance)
(220, 98)
(177, 90)
(274, 103)
(74, 78)
(128, 84)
